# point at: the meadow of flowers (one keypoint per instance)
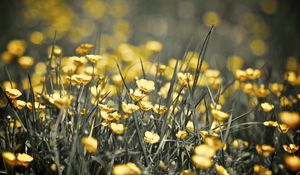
(112, 107)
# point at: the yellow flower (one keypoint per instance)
(90, 144)
(154, 46)
(151, 137)
(293, 163)
(78, 79)
(253, 74)
(283, 128)
(37, 106)
(25, 62)
(202, 162)
(260, 170)
(212, 73)
(190, 126)
(276, 88)
(159, 109)
(264, 150)
(214, 142)
(241, 75)
(219, 115)
(187, 172)
(84, 48)
(16, 47)
(106, 108)
(78, 61)
(126, 169)
(221, 170)
(93, 58)
(13, 122)
(267, 107)
(19, 104)
(9, 158)
(137, 94)
(145, 85)
(145, 105)
(24, 159)
(60, 101)
(129, 108)
(117, 128)
(110, 116)
(185, 79)
(248, 88)
(261, 91)
(205, 151)
(181, 134)
(238, 143)
(271, 123)
(164, 90)
(13, 93)
(291, 119)
(291, 148)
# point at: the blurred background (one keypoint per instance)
(260, 32)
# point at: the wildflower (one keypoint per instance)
(117, 79)
(126, 169)
(9, 158)
(181, 134)
(13, 93)
(211, 18)
(19, 104)
(264, 150)
(164, 90)
(60, 101)
(283, 128)
(205, 150)
(110, 116)
(78, 61)
(151, 137)
(291, 148)
(160, 68)
(221, 170)
(37, 106)
(285, 101)
(238, 143)
(291, 119)
(219, 115)
(7, 57)
(84, 48)
(190, 126)
(106, 108)
(145, 105)
(129, 108)
(117, 128)
(90, 144)
(185, 79)
(25, 62)
(15, 123)
(261, 91)
(248, 88)
(24, 159)
(202, 162)
(154, 46)
(292, 162)
(187, 172)
(276, 88)
(260, 170)
(214, 142)
(145, 85)
(271, 123)
(16, 47)
(9, 85)
(253, 74)
(93, 58)
(78, 79)
(241, 75)
(159, 109)
(137, 94)
(267, 107)
(212, 73)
